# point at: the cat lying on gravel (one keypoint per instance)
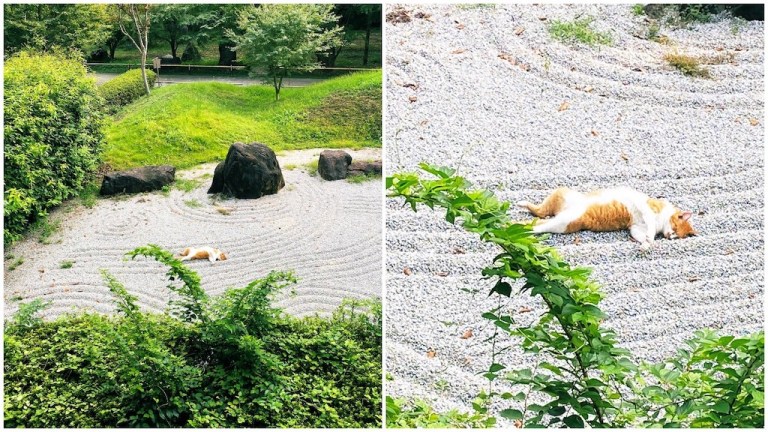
(212, 254)
(611, 210)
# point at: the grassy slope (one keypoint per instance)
(187, 124)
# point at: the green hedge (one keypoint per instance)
(53, 135)
(227, 361)
(126, 88)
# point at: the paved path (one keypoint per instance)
(101, 78)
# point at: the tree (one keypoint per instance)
(44, 26)
(139, 20)
(282, 38)
(370, 11)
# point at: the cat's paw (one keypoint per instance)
(646, 246)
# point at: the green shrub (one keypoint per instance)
(581, 374)
(125, 88)
(53, 135)
(418, 414)
(228, 361)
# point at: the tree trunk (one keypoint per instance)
(174, 47)
(144, 70)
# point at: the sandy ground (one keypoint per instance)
(328, 233)
(487, 89)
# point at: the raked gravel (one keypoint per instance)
(630, 120)
(328, 233)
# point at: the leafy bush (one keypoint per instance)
(229, 361)
(418, 414)
(582, 373)
(126, 88)
(53, 135)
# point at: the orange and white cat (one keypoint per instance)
(209, 253)
(611, 210)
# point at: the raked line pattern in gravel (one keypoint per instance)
(545, 115)
(328, 233)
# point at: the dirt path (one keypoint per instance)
(329, 233)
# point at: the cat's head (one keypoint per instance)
(222, 256)
(679, 225)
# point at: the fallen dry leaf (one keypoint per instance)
(694, 278)
(518, 423)
(737, 120)
(753, 121)
(508, 57)
(594, 133)
(467, 334)
(458, 51)
(729, 251)
(407, 271)
(542, 18)
(412, 99)
(588, 89)
(441, 274)
(519, 31)
(431, 353)
(422, 15)
(460, 26)
(525, 66)
(424, 122)
(524, 309)
(564, 106)
(624, 156)
(411, 86)
(459, 250)
(576, 240)
(399, 15)
(752, 295)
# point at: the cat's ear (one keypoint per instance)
(684, 216)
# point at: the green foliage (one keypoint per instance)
(578, 31)
(53, 135)
(45, 229)
(283, 38)
(362, 178)
(186, 185)
(582, 373)
(688, 65)
(638, 9)
(418, 414)
(193, 203)
(188, 124)
(66, 264)
(15, 264)
(41, 27)
(228, 361)
(126, 88)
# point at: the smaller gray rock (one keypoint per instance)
(365, 168)
(169, 59)
(143, 179)
(333, 164)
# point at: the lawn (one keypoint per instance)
(188, 124)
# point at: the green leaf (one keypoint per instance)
(496, 367)
(721, 407)
(502, 288)
(574, 421)
(511, 414)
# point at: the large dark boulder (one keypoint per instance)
(333, 164)
(249, 171)
(144, 179)
(227, 54)
(371, 168)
